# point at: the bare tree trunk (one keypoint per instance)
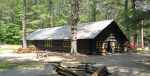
(24, 41)
(126, 18)
(133, 4)
(74, 18)
(138, 4)
(50, 9)
(93, 11)
(142, 34)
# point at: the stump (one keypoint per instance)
(101, 71)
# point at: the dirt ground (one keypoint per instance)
(123, 64)
(127, 64)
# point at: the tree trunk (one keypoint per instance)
(126, 18)
(142, 34)
(24, 41)
(93, 11)
(50, 9)
(138, 4)
(74, 18)
(133, 4)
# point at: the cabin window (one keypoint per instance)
(47, 43)
(104, 45)
(66, 44)
(117, 47)
(99, 44)
(50, 43)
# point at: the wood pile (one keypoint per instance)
(26, 50)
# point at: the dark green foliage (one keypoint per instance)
(10, 33)
(50, 13)
(10, 22)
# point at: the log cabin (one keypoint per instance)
(92, 38)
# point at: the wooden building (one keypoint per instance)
(92, 38)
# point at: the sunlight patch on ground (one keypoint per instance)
(53, 59)
(8, 48)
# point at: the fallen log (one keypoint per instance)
(64, 72)
(82, 70)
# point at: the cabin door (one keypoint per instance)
(111, 46)
(111, 43)
(101, 46)
(106, 46)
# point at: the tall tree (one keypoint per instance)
(93, 10)
(142, 34)
(24, 41)
(50, 9)
(138, 5)
(126, 18)
(74, 18)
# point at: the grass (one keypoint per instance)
(2, 49)
(30, 64)
(5, 65)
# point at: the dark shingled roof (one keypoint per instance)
(84, 31)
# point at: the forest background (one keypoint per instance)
(50, 13)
